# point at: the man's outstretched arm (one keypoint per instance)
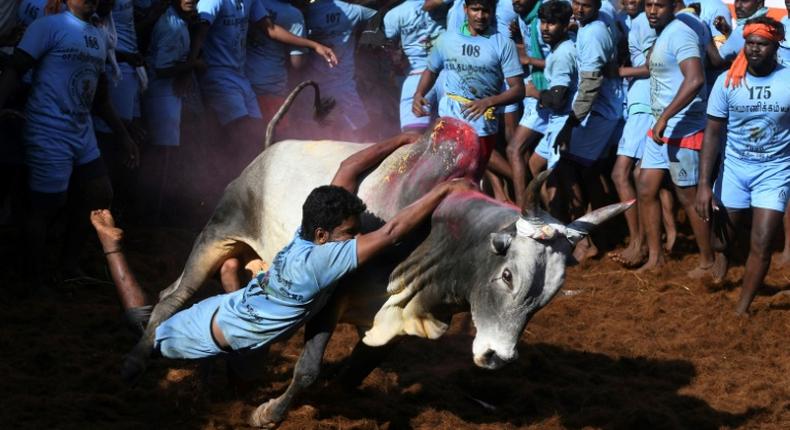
(370, 244)
(351, 168)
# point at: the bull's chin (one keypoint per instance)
(490, 362)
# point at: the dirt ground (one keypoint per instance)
(614, 350)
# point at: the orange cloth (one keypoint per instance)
(738, 69)
(692, 141)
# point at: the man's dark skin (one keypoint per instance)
(761, 56)
(659, 14)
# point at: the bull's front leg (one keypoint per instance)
(317, 334)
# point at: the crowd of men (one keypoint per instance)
(611, 97)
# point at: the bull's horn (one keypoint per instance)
(532, 203)
(584, 225)
(322, 108)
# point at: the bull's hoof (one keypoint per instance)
(263, 416)
(132, 369)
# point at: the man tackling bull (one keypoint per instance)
(274, 304)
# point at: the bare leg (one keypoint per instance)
(516, 148)
(497, 186)
(499, 165)
(701, 229)
(764, 226)
(229, 275)
(634, 253)
(784, 259)
(537, 164)
(668, 217)
(649, 214)
(133, 300)
(511, 123)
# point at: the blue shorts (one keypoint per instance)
(407, 117)
(534, 117)
(511, 107)
(51, 158)
(187, 334)
(682, 163)
(229, 94)
(162, 112)
(590, 139)
(545, 148)
(743, 184)
(124, 97)
(632, 141)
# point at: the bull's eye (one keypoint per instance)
(507, 277)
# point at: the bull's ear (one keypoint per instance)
(500, 242)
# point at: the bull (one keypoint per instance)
(478, 255)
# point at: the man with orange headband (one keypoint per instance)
(751, 105)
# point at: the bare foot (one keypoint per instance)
(652, 264)
(585, 249)
(784, 259)
(717, 269)
(109, 235)
(672, 235)
(630, 257)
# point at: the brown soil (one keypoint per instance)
(616, 350)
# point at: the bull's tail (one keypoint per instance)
(322, 109)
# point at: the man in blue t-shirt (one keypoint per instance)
(302, 275)
(677, 99)
(67, 54)
(475, 61)
(417, 31)
(726, 52)
(753, 110)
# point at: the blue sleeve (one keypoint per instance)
(685, 44)
(733, 45)
(330, 261)
(511, 66)
(37, 39)
(590, 49)
(297, 28)
(563, 69)
(208, 9)
(718, 105)
(258, 10)
(436, 57)
(362, 14)
(391, 24)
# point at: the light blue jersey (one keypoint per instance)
(296, 287)
(169, 46)
(416, 29)
(266, 58)
(758, 117)
(30, 10)
(503, 16)
(70, 55)
(225, 44)
(123, 15)
(641, 38)
(562, 70)
(676, 43)
(784, 46)
(334, 23)
(710, 10)
(596, 46)
(474, 67)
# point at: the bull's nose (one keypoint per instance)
(491, 360)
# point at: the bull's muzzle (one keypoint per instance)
(492, 360)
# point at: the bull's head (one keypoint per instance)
(526, 271)
(504, 264)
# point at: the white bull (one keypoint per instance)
(478, 254)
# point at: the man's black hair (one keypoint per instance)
(767, 20)
(558, 11)
(490, 3)
(327, 207)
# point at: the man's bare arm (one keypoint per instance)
(405, 221)
(351, 168)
